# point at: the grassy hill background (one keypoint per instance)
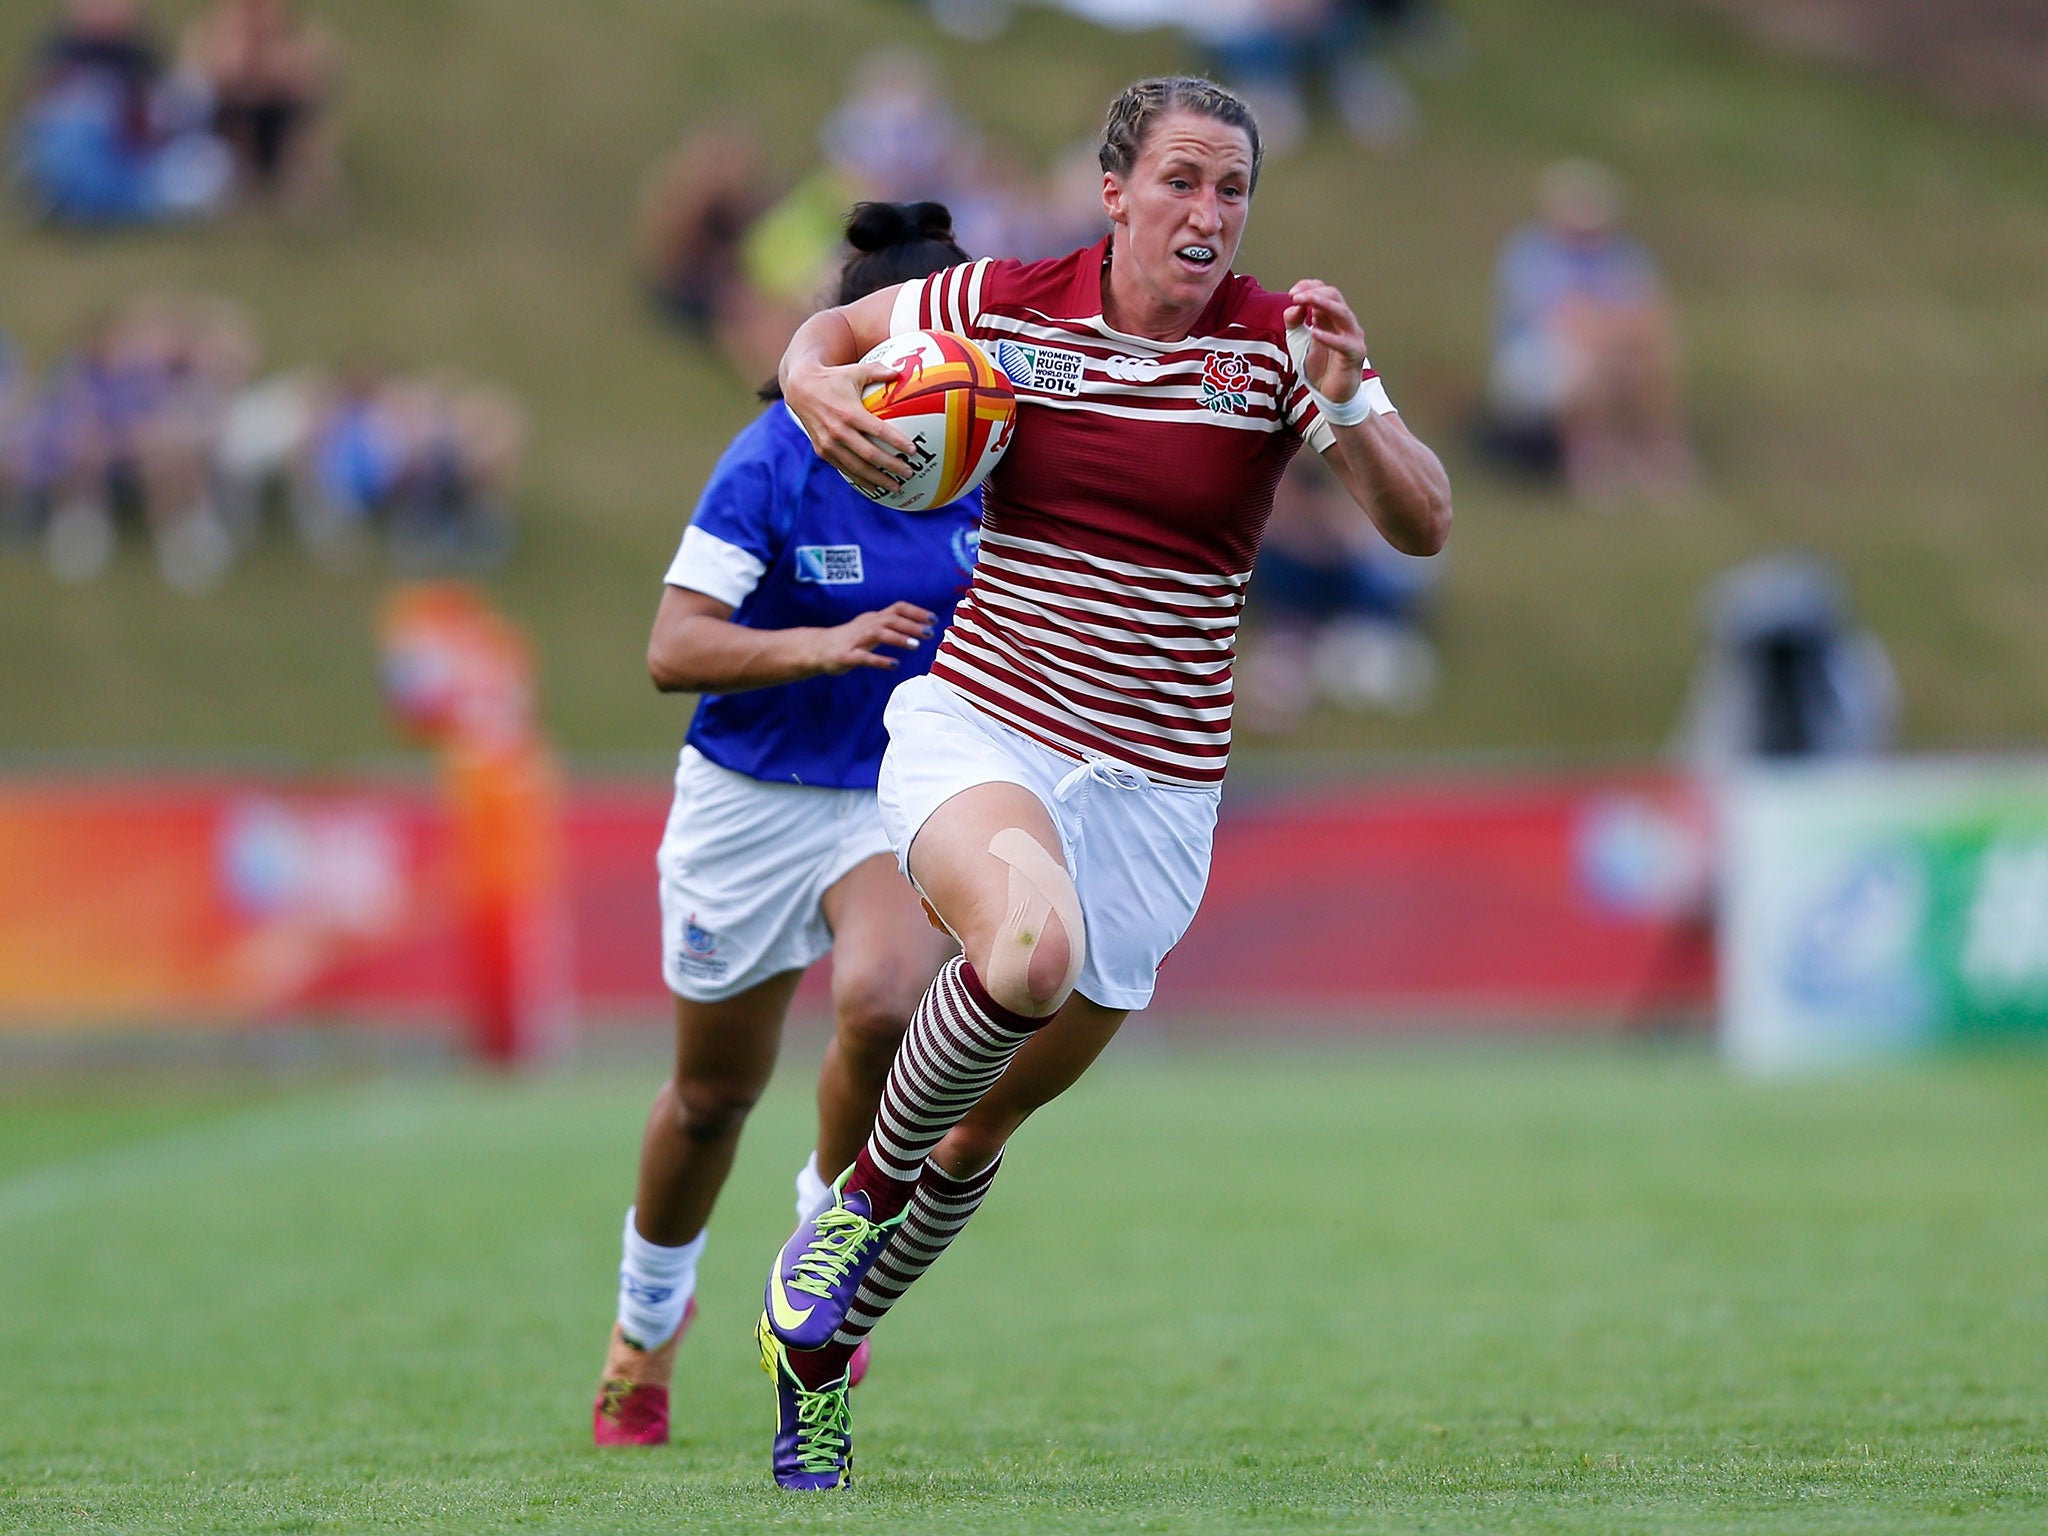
(1859, 277)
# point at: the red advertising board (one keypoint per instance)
(1492, 902)
(1489, 901)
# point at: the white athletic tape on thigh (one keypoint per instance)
(1039, 886)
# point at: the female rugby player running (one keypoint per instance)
(794, 606)
(1051, 785)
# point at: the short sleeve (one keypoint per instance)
(733, 535)
(950, 300)
(708, 564)
(1302, 414)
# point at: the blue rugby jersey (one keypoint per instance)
(778, 534)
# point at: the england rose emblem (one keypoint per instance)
(1225, 378)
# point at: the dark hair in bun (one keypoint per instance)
(892, 243)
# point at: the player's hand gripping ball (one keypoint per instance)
(956, 407)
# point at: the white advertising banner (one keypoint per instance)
(1878, 908)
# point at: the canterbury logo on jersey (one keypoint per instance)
(1052, 369)
(1132, 370)
(829, 565)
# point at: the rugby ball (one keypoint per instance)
(956, 407)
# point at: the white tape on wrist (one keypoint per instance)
(1343, 413)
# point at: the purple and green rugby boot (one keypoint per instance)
(813, 1426)
(820, 1268)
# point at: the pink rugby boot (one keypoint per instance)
(632, 1396)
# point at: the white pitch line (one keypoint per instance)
(275, 1130)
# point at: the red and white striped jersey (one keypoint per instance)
(1118, 532)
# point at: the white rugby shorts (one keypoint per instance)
(1138, 851)
(744, 865)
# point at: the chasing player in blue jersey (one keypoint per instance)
(794, 606)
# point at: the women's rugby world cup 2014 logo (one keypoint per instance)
(1225, 378)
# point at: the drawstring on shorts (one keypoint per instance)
(1100, 770)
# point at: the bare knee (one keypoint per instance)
(1028, 968)
(871, 1008)
(969, 1147)
(1034, 954)
(709, 1111)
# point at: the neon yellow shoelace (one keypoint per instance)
(841, 1235)
(823, 1426)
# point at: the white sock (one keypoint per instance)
(655, 1286)
(813, 1194)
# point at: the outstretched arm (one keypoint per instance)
(1387, 469)
(695, 648)
(822, 381)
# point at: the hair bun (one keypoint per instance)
(877, 226)
(934, 220)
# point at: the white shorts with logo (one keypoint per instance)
(744, 866)
(1138, 851)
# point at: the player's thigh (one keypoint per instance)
(742, 867)
(965, 882)
(729, 1045)
(885, 951)
(1050, 1063)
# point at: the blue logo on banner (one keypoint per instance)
(1854, 946)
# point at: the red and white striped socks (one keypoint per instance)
(938, 1212)
(959, 1041)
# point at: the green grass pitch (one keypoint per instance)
(1576, 1289)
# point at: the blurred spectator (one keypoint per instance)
(151, 427)
(1585, 364)
(1339, 611)
(352, 466)
(1787, 673)
(896, 135)
(467, 441)
(894, 138)
(271, 74)
(974, 21)
(730, 258)
(1274, 52)
(106, 136)
(122, 436)
(695, 212)
(257, 452)
(428, 463)
(202, 355)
